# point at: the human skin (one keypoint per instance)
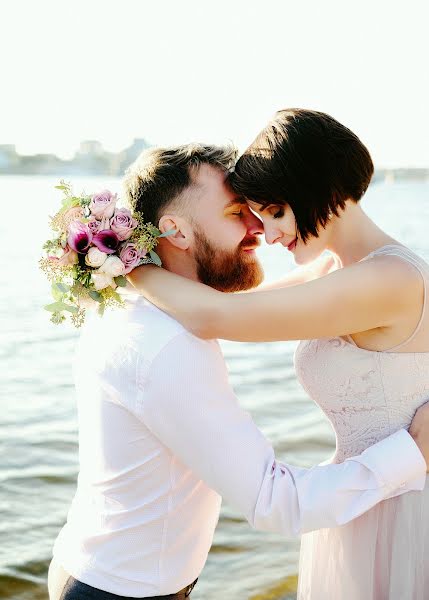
(378, 302)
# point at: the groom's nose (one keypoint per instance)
(254, 225)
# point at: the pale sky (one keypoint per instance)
(179, 70)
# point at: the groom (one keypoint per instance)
(161, 434)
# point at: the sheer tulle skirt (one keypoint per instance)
(382, 555)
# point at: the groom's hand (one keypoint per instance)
(419, 430)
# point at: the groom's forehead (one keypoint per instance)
(212, 186)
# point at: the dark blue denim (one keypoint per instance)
(75, 590)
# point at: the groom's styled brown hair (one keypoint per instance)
(160, 177)
(307, 160)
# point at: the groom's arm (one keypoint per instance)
(188, 404)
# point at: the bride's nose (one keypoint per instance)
(272, 234)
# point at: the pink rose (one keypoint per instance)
(130, 256)
(69, 257)
(73, 214)
(123, 223)
(102, 205)
(94, 225)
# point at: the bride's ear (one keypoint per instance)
(183, 232)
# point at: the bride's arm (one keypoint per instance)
(360, 297)
(318, 268)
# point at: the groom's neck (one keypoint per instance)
(180, 264)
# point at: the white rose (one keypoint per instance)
(113, 266)
(102, 280)
(95, 258)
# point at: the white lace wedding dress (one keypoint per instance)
(367, 395)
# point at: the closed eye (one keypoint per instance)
(235, 209)
(278, 214)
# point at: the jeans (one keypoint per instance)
(63, 586)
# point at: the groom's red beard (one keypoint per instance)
(227, 270)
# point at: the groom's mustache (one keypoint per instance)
(250, 242)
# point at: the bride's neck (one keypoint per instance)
(354, 235)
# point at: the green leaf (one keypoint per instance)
(101, 309)
(58, 290)
(120, 281)
(167, 233)
(62, 287)
(152, 229)
(60, 306)
(56, 293)
(116, 296)
(70, 308)
(54, 307)
(69, 202)
(154, 256)
(96, 295)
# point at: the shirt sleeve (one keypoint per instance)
(188, 403)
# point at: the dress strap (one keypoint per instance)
(350, 340)
(422, 268)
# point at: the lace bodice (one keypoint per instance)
(366, 395)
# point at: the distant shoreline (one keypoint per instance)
(400, 174)
(92, 159)
(380, 175)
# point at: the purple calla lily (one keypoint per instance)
(79, 237)
(106, 240)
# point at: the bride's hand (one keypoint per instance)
(419, 430)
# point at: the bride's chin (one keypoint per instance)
(306, 253)
(300, 256)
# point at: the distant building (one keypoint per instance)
(9, 159)
(41, 164)
(91, 148)
(92, 158)
(129, 155)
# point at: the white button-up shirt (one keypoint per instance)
(162, 438)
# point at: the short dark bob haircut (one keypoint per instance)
(307, 160)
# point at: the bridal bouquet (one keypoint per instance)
(94, 245)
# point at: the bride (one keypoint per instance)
(362, 314)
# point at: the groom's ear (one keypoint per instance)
(182, 237)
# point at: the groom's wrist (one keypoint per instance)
(398, 462)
